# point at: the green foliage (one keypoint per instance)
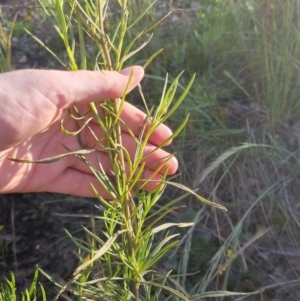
(8, 290)
(20, 28)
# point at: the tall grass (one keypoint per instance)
(240, 147)
(244, 148)
(269, 35)
(5, 43)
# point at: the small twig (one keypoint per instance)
(55, 158)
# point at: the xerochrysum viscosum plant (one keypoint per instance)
(118, 261)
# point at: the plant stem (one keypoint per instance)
(119, 156)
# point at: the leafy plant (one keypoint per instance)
(118, 263)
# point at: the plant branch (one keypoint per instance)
(119, 155)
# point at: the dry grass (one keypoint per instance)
(241, 147)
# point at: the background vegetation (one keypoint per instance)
(241, 146)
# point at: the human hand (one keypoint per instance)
(32, 103)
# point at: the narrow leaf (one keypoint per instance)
(141, 15)
(167, 288)
(45, 47)
(100, 252)
(180, 100)
(67, 133)
(54, 158)
(152, 57)
(200, 198)
(130, 54)
(224, 156)
(32, 288)
(155, 23)
(169, 205)
(223, 294)
(168, 225)
(162, 243)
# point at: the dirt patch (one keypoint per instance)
(33, 234)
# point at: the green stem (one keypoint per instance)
(83, 64)
(119, 156)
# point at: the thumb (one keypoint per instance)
(27, 97)
(94, 86)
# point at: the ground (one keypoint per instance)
(33, 234)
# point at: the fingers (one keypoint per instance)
(81, 184)
(103, 158)
(133, 119)
(153, 157)
(154, 160)
(76, 183)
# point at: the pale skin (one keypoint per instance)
(32, 103)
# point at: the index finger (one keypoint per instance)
(134, 119)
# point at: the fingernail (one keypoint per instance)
(167, 130)
(157, 177)
(135, 70)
